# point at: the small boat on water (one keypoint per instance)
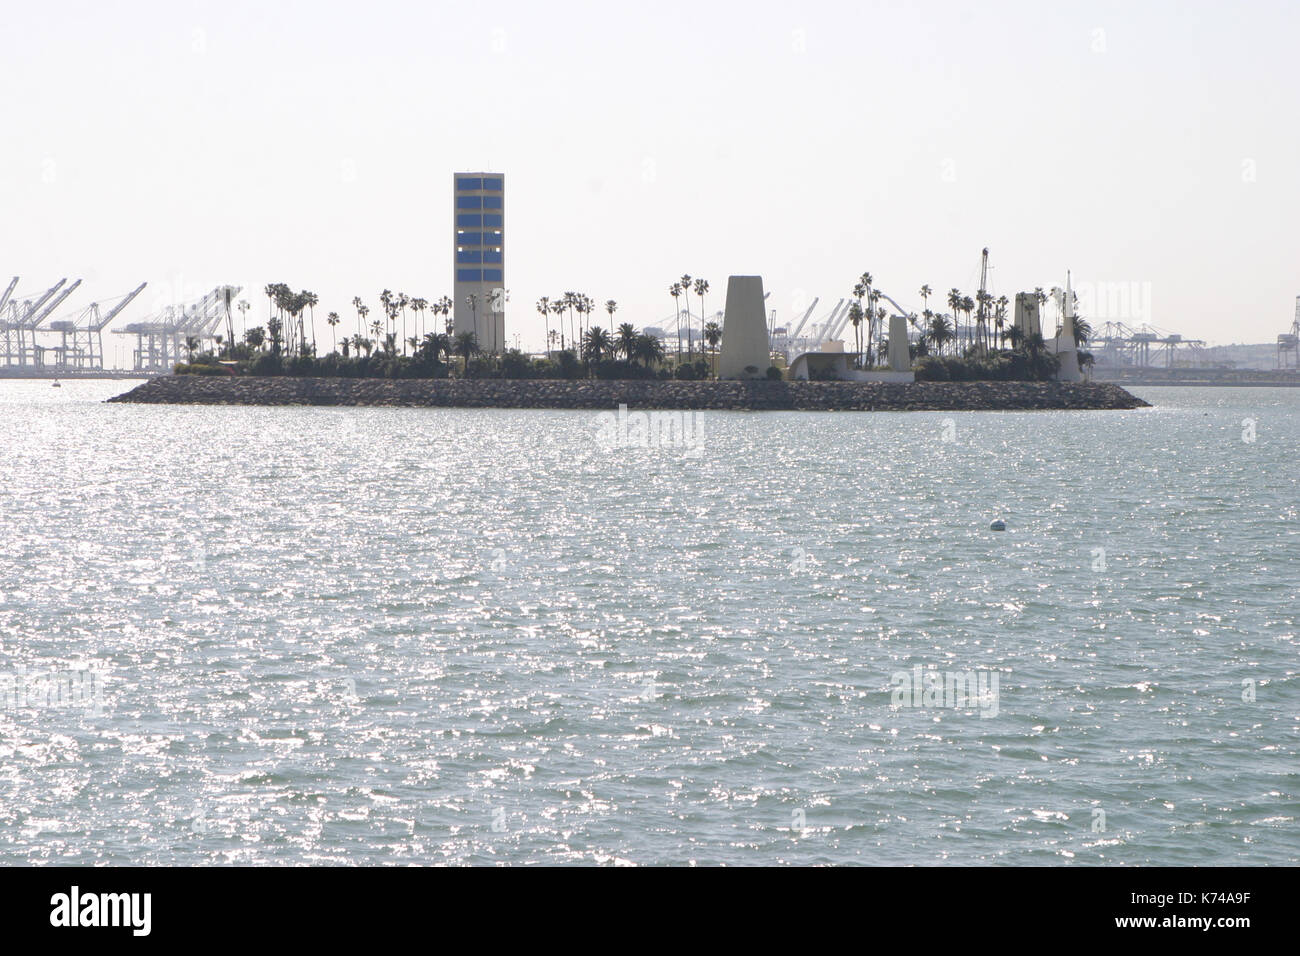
(55, 384)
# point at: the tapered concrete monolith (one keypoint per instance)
(1066, 350)
(744, 330)
(900, 360)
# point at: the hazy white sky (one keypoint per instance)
(192, 143)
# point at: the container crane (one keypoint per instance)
(1288, 343)
(87, 347)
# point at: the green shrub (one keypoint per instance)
(931, 368)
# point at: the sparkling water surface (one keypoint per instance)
(408, 636)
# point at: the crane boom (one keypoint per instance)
(33, 306)
(113, 312)
(798, 328)
(34, 320)
(4, 299)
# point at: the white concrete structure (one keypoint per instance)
(1063, 345)
(832, 362)
(744, 330)
(478, 256)
(900, 358)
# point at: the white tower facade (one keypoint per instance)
(479, 258)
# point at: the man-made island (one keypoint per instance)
(760, 395)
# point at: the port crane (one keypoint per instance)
(20, 329)
(86, 350)
(1288, 343)
(4, 299)
(11, 325)
(161, 338)
(1145, 346)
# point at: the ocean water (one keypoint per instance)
(412, 636)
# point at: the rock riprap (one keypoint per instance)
(590, 394)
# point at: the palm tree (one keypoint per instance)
(582, 305)
(254, 338)
(855, 319)
(686, 291)
(1015, 336)
(1001, 318)
(570, 302)
(544, 307)
(439, 343)
(954, 303)
(701, 287)
(557, 309)
(466, 346)
(861, 288)
(273, 330)
(968, 306)
(310, 299)
(649, 349)
(403, 300)
(361, 316)
(1082, 331)
(386, 301)
(875, 316)
(596, 344)
(191, 345)
(1035, 343)
(675, 290)
(940, 331)
(611, 307)
(419, 307)
(926, 292)
(243, 316)
(471, 300)
(332, 320)
(712, 335)
(625, 341)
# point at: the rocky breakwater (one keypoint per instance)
(550, 393)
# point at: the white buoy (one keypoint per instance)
(998, 525)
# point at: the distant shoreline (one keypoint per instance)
(599, 395)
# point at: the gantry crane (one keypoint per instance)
(19, 330)
(160, 339)
(86, 350)
(1288, 343)
(12, 323)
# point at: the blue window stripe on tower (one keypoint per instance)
(469, 219)
(469, 202)
(469, 275)
(468, 183)
(491, 275)
(492, 220)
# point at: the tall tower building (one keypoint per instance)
(479, 251)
